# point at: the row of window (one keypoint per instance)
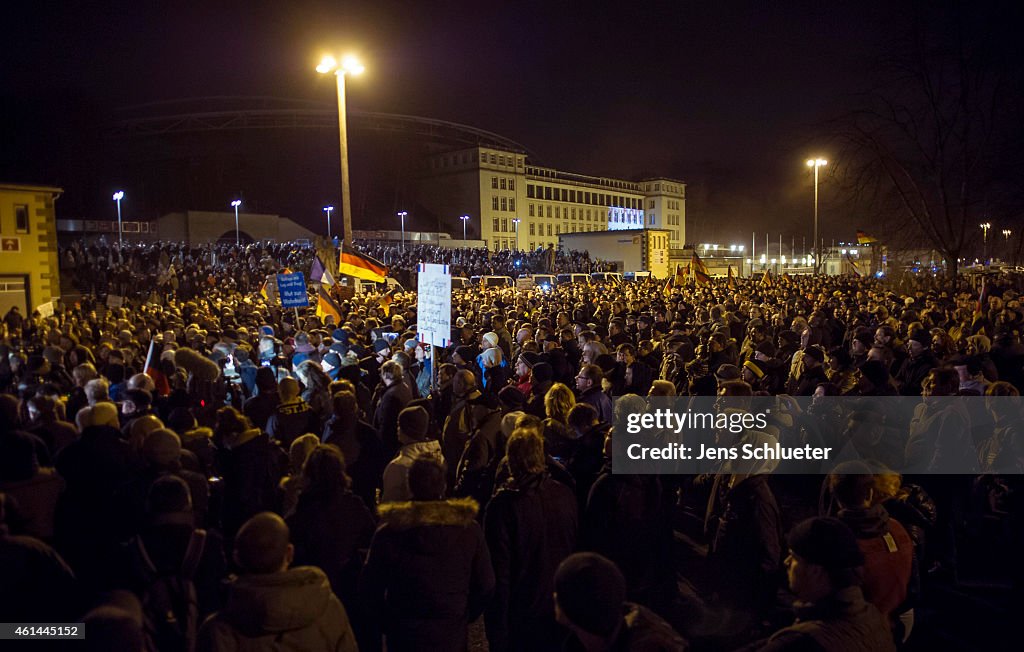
(503, 183)
(506, 203)
(551, 193)
(668, 188)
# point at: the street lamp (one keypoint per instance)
(1006, 234)
(402, 215)
(816, 163)
(465, 220)
(328, 209)
(516, 221)
(118, 196)
(985, 226)
(236, 204)
(348, 66)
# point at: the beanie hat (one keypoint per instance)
(512, 397)
(530, 358)
(331, 361)
(754, 368)
(508, 422)
(827, 542)
(465, 353)
(728, 372)
(104, 414)
(267, 330)
(875, 372)
(765, 347)
(922, 337)
(339, 335)
(381, 345)
(542, 372)
(491, 338)
(865, 337)
(814, 353)
(413, 423)
(161, 447)
(590, 591)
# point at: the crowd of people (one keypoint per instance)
(198, 469)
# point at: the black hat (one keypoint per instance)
(826, 542)
(922, 337)
(414, 423)
(381, 345)
(464, 352)
(512, 398)
(728, 372)
(530, 358)
(815, 353)
(875, 372)
(542, 372)
(590, 591)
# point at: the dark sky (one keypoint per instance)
(726, 96)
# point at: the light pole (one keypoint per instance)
(816, 163)
(349, 65)
(236, 204)
(1006, 235)
(118, 196)
(516, 221)
(985, 226)
(402, 215)
(465, 220)
(328, 209)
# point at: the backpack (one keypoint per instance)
(479, 462)
(170, 610)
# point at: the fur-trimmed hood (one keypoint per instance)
(454, 511)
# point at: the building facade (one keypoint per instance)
(29, 276)
(514, 205)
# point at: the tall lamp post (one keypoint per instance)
(118, 196)
(328, 209)
(516, 221)
(236, 204)
(1006, 235)
(465, 220)
(349, 66)
(402, 215)
(816, 163)
(985, 226)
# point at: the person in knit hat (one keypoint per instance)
(590, 600)
(413, 435)
(823, 570)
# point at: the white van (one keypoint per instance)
(389, 285)
(569, 279)
(492, 281)
(610, 277)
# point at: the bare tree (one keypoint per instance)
(932, 149)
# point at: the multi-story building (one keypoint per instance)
(509, 201)
(29, 277)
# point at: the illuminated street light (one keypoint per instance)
(118, 196)
(402, 215)
(816, 163)
(328, 209)
(465, 220)
(349, 66)
(985, 226)
(236, 204)
(515, 222)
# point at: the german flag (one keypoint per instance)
(864, 238)
(681, 274)
(325, 305)
(353, 263)
(385, 303)
(766, 280)
(699, 269)
(730, 280)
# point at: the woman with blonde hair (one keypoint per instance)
(559, 438)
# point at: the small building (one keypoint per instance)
(631, 250)
(29, 275)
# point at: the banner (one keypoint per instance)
(292, 289)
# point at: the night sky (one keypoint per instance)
(730, 97)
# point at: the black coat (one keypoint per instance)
(365, 456)
(531, 528)
(390, 402)
(428, 574)
(251, 466)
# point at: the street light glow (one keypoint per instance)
(328, 208)
(118, 196)
(327, 64)
(351, 65)
(236, 203)
(816, 162)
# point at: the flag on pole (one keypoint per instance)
(358, 265)
(699, 269)
(681, 274)
(318, 273)
(864, 238)
(385, 303)
(766, 280)
(853, 266)
(730, 281)
(263, 291)
(325, 305)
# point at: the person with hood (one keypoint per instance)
(493, 370)
(887, 548)
(531, 526)
(262, 405)
(390, 397)
(360, 445)
(543, 378)
(832, 614)
(428, 573)
(413, 429)
(591, 602)
(272, 605)
(251, 467)
(316, 389)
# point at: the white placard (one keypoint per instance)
(45, 309)
(434, 305)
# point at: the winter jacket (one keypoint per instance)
(251, 466)
(940, 438)
(365, 457)
(843, 621)
(291, 610)
(396, 475)
(600, 402)
(531, 527)
(888, 556)
(328, 531)
(291, 420)
(390, 402)
(642, 630)
(913, 372)
(428, 574)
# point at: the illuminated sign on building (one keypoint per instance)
(624, 218)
